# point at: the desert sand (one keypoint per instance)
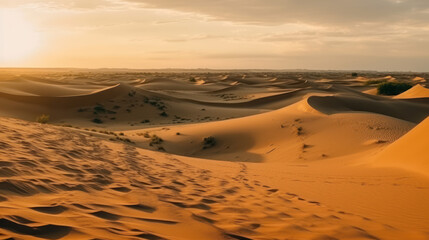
(212, 155)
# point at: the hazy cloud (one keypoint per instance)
(63, 5)
(336, 12)
(371, 34)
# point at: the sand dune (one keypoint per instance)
(402, 110)
(418, 91)
(85, 188)
(200, 155)
(295, 131)
(409, 151)
(65, 100)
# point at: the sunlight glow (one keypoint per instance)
(18, 37)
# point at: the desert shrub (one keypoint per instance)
(125, 140)
(164, 114)
(192, 79)
(160, 106)
(299, 130)
(97, 120)
(155, 140)
(44, 118)
(354, 74)
(209, 142)
(132, 93)
(393, 88)
(160, 148)
(99, 109)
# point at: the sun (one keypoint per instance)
(19, 38)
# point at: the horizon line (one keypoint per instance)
(212, 69)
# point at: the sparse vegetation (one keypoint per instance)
(305, 146)
(192, 79)
(99, 109)
(44, 118)
(156, 102)
(354, 74)
(116, 138)
(132, 93)
(374, 82)
(209, 142)
(393, 88)
(163, 114)
(299, 131)
(97, 121)
(161, 148)
(126, 140)
(155, 140)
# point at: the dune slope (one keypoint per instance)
(410, 151)
(418, 91)
(59, 183)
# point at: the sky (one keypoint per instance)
(385, 35)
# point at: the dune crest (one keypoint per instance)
(67, 100)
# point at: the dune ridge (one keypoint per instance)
(68, 100)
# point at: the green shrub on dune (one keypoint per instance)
(209, 142)
(393, 88)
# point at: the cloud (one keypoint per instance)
(63, 5)
(262, 12)
(320, 12)
(193, 38)
(273, 33)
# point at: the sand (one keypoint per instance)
(211, 155)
